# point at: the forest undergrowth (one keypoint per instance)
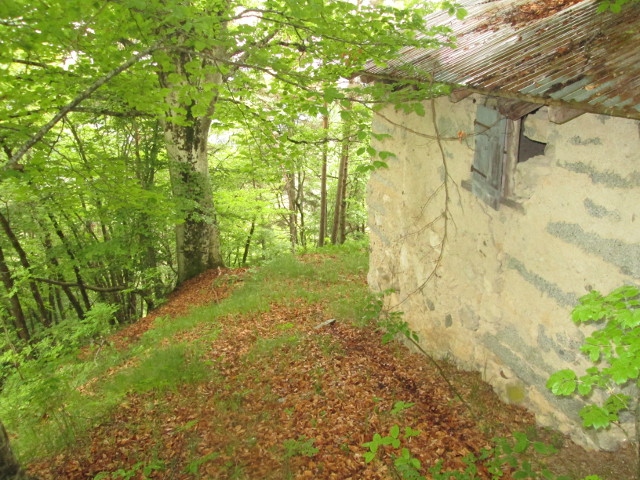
(274, 373)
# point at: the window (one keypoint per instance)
(500, 145)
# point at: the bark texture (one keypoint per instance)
(186, 133)
(9, 467)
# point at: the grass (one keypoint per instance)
(54, 405)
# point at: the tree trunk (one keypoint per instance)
(24, 261)
(302, 233)
(14, 301)
(65, 288)
(340, 210)
(323, 183)
(290, 190)
(76, 269)
(247, 244)
(197, 237)
(9, 467)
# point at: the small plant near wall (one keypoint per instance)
(614, 350)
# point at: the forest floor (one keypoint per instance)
(282, 397)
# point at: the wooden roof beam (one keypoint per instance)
(558, 114)
(515, 109)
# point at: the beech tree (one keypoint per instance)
(179, 61)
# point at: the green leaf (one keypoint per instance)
(544, 448)
(376, 164)
(401, 406)
(410, 432)
(522, 442)
(594, 416)
(563, 382)
(346, 115)
(584, 389)
(332, 93)
(616, 403)
(384, 155)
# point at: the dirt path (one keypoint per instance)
(288, 400)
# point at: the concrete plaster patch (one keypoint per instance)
(505, 344)
(578, 140)
(447, 126)
(469, 318)
(565, 299)
(600, 211)
(623, 255)
(566, 348)
(607, 178)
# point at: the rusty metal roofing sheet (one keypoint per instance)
(576, 56)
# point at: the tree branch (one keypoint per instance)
(30, 63)
(118, 288)
(73, 104)
(111, 113)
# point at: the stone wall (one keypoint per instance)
(491, 289)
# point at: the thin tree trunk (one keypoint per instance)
(339, 213)
(323, 183)
(290, 190)
(146, 153)
(67, 291)
(24, 261)
(342, 226)
(247, 244)
(302, 234)
(14, 301)
(76, 269)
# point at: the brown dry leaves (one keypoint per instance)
(276, 378)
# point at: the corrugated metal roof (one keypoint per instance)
(579, 57)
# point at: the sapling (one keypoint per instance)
(614, 350)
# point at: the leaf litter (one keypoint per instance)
(276, 381)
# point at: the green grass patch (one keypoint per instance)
(162, 369)
(53, 400)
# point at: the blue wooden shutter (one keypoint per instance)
(488, 161)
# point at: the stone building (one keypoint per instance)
(514, 195)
